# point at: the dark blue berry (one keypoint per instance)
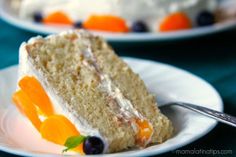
(139, 27)
(78, 24)
(93, 145)
(205, 18)
(38, 17)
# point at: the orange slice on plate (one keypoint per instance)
(58, 129)
(24, 104)
(32, 100)
(32, 87)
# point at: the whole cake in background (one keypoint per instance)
(73, 87)
(120, 16)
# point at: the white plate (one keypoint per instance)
(10, 16)
(17, 135)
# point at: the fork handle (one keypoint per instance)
(219, 116)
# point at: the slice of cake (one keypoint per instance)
(74, 81)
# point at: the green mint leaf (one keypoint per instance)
(73, 142)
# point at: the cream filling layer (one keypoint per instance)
(124, 105)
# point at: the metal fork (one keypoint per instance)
(219, 116)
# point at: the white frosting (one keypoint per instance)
(150, 11)
(26, 69)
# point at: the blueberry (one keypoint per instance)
(139, 27)
(93, 145)
(37, 17)
(78, 24)
(205, 18)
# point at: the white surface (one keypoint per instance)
(17, 135)
(10, 16)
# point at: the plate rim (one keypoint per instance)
(196, 137)
(131, 37)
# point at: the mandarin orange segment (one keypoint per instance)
(24, 104)
(145, 130)
(174, 22)
(32, 87)
(106, 23)
(57, 18)
(79, 149)
(58, 129)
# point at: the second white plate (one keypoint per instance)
(18, 136)
(11, 16)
